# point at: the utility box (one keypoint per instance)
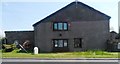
(35, 50)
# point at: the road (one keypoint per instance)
(59, 61)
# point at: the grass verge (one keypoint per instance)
(87, 54)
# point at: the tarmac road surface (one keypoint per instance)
(59, 61)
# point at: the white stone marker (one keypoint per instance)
(35, 50)
(119, 45)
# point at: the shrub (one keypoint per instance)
(8, 48)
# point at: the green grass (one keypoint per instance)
(87, 54)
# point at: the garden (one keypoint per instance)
(17, 53)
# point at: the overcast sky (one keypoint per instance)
(22, 14)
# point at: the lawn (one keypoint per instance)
(87, 54)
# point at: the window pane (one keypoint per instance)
(55, 26)
(60, 26)
(65, 43)
(60, 43)
(65, 26)
(56, 43)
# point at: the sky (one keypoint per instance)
(21, 15)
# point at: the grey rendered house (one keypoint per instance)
(75, 27)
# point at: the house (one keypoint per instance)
(114, 42)
(75, 27)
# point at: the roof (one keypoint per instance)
(113, 32)
(68, 6)
(17, 31)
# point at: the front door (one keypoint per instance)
(60, 45)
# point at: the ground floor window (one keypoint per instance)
(77, 42)
(60, 42)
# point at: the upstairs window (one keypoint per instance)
(60, 26)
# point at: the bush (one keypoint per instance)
(8, 48)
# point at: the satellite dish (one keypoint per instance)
(16, 42)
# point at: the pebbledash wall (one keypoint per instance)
(93, 36)
(83, 22)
